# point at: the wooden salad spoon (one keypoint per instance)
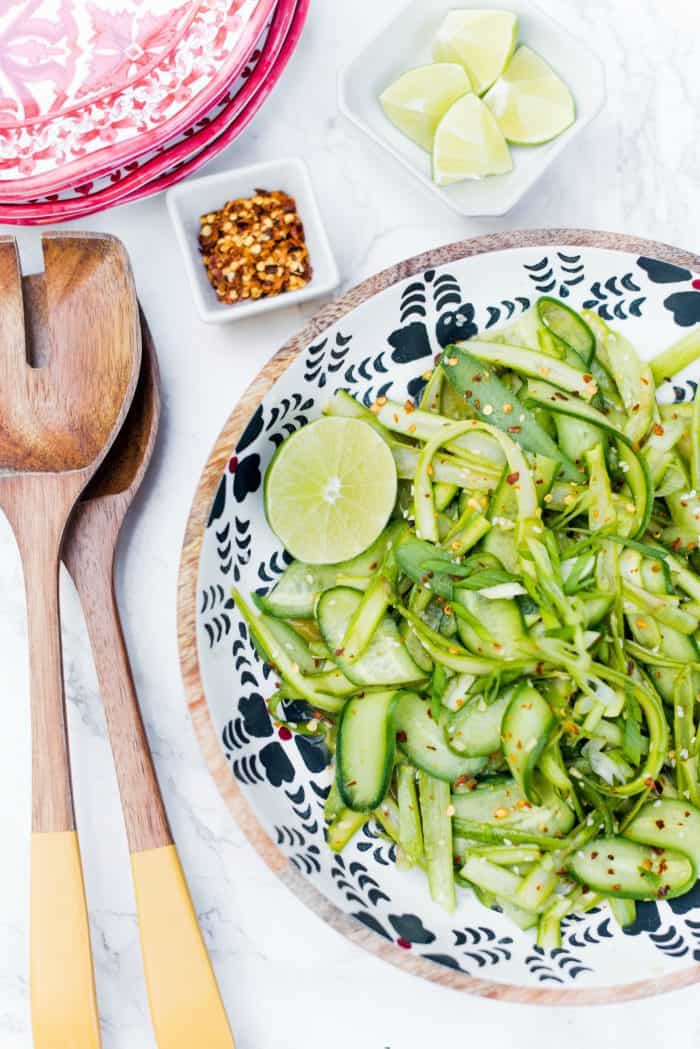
(60, 409)
(185, 1003)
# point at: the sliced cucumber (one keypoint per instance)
(295, 647)
(595, 608)
(501, 618)
(365, 749)
(414, 648)
(475, 730)
(527, 727)
(297, 590)
(669, 824)
(385, 660)
(618, 867)
(568, 326)
(503, 804)
(423, 742)
(500, 542)
(576, 437)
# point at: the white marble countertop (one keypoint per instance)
(287, 979)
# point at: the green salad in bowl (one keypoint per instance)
(492, 615)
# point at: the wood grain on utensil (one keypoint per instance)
(89, 552)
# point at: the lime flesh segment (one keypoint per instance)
(330, 489)
(416, 101)
(481, 40)
(530, 102)
(469, 144)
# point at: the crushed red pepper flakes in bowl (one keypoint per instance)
(255, 247)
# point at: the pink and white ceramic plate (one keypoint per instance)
(68, 138)
(192, 150)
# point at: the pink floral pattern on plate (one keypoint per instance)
(57, 54)
(94, 138)
(223, 129)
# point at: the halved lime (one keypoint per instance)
(481, 40)
(530, 102)
(330, 489)
(469, 144)
(417, 100)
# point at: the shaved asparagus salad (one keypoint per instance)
(493, 619)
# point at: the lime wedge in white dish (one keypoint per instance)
(481, 40)
(530, 102)
(416, 101)
(469, 144)
(330, 490)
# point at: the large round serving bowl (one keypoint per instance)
(378, 340)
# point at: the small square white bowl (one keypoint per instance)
(189, 200)
(406, 42)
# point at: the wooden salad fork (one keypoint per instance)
(60, 409)
(185, 1003)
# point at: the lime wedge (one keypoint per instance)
(530, 102)
(330, 489)
(417, 100)
(469, 144)
(482, 41)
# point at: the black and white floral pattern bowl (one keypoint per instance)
(378, 340)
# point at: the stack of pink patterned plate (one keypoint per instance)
(101, 104)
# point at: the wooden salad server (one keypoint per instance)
(69, 363)
(186, 1006)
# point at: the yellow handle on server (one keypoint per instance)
(63, 1002)
(186, 1007)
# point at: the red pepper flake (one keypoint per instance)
(284, 733)
(616, 887)
(409, 406)
(513, 478)
(658, 429)
(635, 407)
(663, 891)
(660, 824)
(339, 651)
(429, 746)
(594, 855)
(401, 736)
(465, 781)
(676, 543)
(514, 429)
(403, 943)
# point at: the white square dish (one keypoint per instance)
(406, 42)
(189, 200)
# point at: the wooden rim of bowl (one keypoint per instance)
(187, 610)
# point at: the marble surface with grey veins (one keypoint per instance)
(287, 979)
